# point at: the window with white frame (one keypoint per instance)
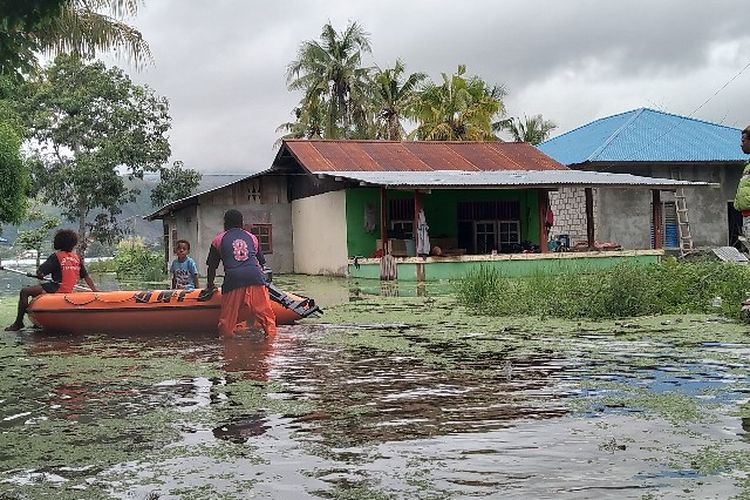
(509, 231)
(485, 234)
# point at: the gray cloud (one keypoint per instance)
(222, 64)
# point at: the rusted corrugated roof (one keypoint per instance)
(390, 156)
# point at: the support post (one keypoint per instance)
(590, 217)
(383, 217)
(543, 197)
(657, 218)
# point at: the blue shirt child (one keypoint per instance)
(183, 273)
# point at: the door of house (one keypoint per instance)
(734, 222)
(671, 231)
(485, 236)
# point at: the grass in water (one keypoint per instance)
(625, 290)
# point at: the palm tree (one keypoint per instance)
(394, 98)
(330, 74)
(308, 124)
(80, 27)
(533, 129)
(461, 109)
(83, 29)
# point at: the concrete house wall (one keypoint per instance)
(261, 200)
(623, 215)
(320, 234)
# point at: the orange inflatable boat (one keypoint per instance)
(157, 311)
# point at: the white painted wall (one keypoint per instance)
(319, 224)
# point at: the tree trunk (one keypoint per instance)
(394, 128)
(82, 233)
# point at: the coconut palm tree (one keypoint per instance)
(533, 129)
(394, 99)
(81, 27)
(308, 123)
(330, 74)
(86, 27)
(460, 109)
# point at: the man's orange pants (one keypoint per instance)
(251, 304)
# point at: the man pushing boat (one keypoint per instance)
(244, 295)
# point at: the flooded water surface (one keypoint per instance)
(392, 397)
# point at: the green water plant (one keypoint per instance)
(624, 290)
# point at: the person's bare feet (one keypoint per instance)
(14, 327)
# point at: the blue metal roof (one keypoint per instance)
(646, 135)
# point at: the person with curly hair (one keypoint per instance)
(66, 268)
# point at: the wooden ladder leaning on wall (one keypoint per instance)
(683, 224)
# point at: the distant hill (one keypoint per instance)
(132, 213)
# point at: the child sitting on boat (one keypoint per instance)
(183, 269)
(66, 268)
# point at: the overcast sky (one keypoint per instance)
(222, 63)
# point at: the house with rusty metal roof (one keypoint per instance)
(653, 143)
(335, 207)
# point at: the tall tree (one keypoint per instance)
(395, 97)
(14, 176)
(459, 109)
(90, 125)
(81, 27)
(533, 129)
(14, 171)
(334, 83)
(308, 124)
(175, 182)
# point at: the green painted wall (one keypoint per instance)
(440, 210)
(435, 271)
(358, 241)
(442, 215)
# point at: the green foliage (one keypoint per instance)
(336, 88)
(460, 109)
(97, 249)
(625, 290)
(83, 27)
(175, 183)
(88, 122)
(533, 130)
(342, 99)
(14, 177)
(135, 262)
(394, 99)
(37, 237)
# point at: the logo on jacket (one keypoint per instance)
(240, 250)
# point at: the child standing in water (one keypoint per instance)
(66, 268)
(183, 268)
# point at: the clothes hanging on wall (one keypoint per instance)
(423, 240)
(370, 223)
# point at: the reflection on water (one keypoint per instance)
(397, 412)
(327, 291)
